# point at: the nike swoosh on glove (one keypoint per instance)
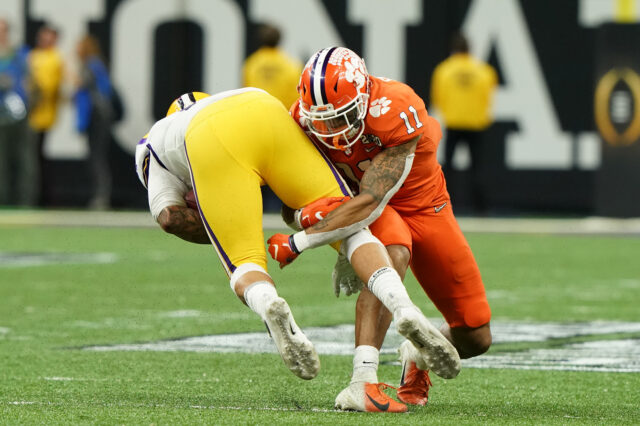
(345, 278)
(316, 211)
(282, 249)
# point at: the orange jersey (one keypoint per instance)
(396, 115)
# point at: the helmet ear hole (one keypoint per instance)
(335, 87)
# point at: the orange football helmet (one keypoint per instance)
(334, 94)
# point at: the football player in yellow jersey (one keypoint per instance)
(224, 147)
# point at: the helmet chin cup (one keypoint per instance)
(333, 142)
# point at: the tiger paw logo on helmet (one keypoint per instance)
(379, 107)
(354, 72)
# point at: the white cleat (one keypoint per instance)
(368, 397)
(296, 350)
(436, 353)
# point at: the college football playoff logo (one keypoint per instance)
(617, 106)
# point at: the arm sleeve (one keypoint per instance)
(164, 189)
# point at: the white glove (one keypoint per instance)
(345, 278)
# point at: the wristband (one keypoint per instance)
(292, 245)
(299, 242)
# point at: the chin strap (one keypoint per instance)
(336, 143)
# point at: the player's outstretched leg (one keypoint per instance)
(254, 286)
(294, 347)
(436, 352)
(371, 262)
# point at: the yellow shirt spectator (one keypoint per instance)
(462, 88)
(272, 70)
(46, 69)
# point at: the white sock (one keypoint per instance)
(386, 285)
(365, 364)
(258, 296)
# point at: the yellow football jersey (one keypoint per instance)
(272, 70)
(46, 70)
(462, 88)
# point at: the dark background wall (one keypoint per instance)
(565, 52)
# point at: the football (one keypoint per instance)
(190, 198)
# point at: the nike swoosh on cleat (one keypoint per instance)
(404, 367)
(381, 407)
(437, 209)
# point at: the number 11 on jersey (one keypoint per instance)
(405, 117)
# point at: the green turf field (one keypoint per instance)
(140, 285)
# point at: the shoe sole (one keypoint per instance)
(437, 353)
(294, 347)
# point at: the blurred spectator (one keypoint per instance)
(93, 101)
(462, 88)
(17, 151)
(45, 72)
(272, 70)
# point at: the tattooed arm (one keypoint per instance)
(184, 223)
(380, 182)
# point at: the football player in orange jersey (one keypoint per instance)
(378, 133)
(204, 145)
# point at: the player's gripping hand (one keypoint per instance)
(316, 211)
(345, 278)
(282, 249)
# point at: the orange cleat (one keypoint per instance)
(368, 397)
(414, 385)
